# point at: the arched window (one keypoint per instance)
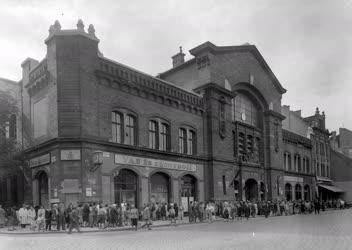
(130, 138)
(117, 127)
(153, 134)
(245, 110)
(297, 160)
(187, 141)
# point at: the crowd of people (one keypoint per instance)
(58, 217)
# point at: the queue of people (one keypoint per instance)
(93, 215)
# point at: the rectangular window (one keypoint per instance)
(224, 184)
(289, 161)
(153, 133)
(130, 130)
(191, 143)
(116, 127)
(164, 137)
(182, 141)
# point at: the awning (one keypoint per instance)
(332, 188)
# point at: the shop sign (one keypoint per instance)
(70, 155)
(293, 179)
(40, 160)
(148, 162)
(57, 200)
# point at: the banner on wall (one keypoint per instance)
(154, 163)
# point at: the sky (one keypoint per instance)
(307, 44)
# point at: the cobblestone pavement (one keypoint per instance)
(329, 230)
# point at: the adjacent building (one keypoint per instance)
(12, 179)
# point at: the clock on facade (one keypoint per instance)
(243, 116)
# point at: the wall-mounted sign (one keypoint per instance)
(148, 162)
(57, 200)
(70, 186)
(40, 160)
(70, 155)
(88, 191)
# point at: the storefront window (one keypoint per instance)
(125, 184)
(159, 188)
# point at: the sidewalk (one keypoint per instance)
(166, 223)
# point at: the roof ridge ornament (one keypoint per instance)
(91, 30)
(80, 25)
(57, 26)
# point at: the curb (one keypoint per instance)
(97, 231)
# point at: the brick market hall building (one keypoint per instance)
(210, 128)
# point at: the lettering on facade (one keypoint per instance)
(40, 160)
(293, 179)
(70, 155)
(147, 162)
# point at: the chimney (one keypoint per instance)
(178, 59)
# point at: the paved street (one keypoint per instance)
(329, 230)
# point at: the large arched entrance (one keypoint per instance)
(288, 191)
(125, 187)
(306, 192)
(251, 189)
(160, 187)
(43, 189)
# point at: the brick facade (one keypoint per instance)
(75, 158)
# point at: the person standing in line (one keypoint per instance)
(134, 214)
(31, 218)
(181, 212)
(48, 217)
(172, 214)
(22, 216)
(146, 216)
(190, 212)
(61, 215)
(2, 217)
(74, 220)
(176, 210)
(41, 219)
(85, 215)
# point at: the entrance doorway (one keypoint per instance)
(43, 189)
(298, 192)
(125, 187)
(306, 192)
(160, 188)
(188, 190)
(251, 190)
(288, 192)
